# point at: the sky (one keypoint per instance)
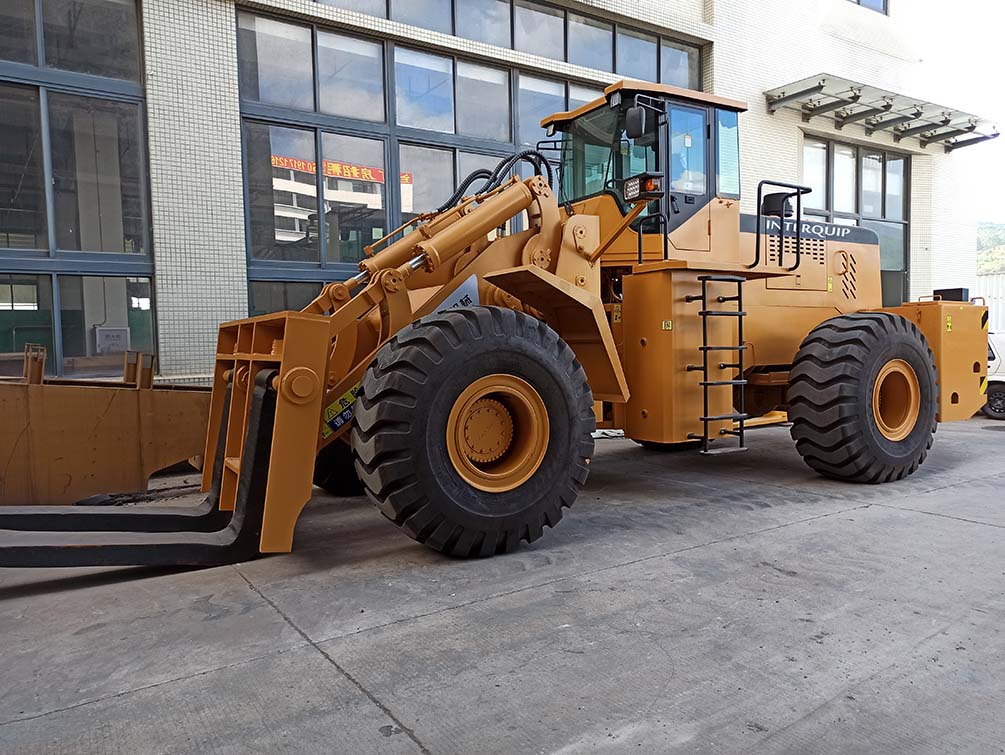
(964, 49)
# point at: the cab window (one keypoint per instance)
(687, 150)
(727, 169)
(596, 155)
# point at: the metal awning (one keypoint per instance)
(848, 102)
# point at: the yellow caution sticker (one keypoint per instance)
(830, 284)
(340, 411)
(668, 325)
(949, 323)
(984, 386)
(616, 313)
(984, 320)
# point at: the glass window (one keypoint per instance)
(92, 36)
(281, 167)
(424, 90)
(815, 173)
(25, 317)
(580, 95)
(355, 195)
(22, 184)
(275, 62)
(482, 101)
(97, 174)
(279, 296)
(878, 5)
(895, 187)
(728, 169)
(588, 154)
(687, 150)
(17, 31)
(429, 14)
(101, 318)
(373, 7)
(591, 42)
(539, 30)
(484, 20)
(636, 55)
(845, 162)
(538, 99)
(872, 184)
(680, 65)
(427, 179)
(891, 244)
(350, 77)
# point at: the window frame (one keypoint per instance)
(616, 28)
(828, 214)
(389, 132)
(53, 262)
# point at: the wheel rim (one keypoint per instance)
(497, 433)
(996, 400)
(896, 400)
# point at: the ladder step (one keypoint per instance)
(723, 278)
(717, 417)
(722, 348)
(723, 382)
(720, 313)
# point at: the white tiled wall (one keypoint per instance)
(195, 178)
(748, 47)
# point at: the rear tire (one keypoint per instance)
(995, 406)
(473, 430)
(863, 397)
(334, 471)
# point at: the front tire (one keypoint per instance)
(863, 397)
(473, 430)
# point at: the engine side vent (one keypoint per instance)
(813, 250)
(849, 277)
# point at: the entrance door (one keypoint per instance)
(689, 183)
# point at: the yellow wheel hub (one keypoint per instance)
(896, 400)
(497, 433)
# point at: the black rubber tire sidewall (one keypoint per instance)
(899, 346)
(334, 471)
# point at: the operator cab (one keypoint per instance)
(621, 135)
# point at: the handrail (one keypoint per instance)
(797, 192)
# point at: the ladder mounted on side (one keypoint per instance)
(739, 416)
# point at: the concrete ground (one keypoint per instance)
(734, 603)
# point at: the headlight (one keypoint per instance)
(643, 187)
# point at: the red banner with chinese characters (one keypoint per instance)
(336, 169)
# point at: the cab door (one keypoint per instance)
(688, 198)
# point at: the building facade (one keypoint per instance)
(166, 165)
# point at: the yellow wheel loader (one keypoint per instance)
(459, 376)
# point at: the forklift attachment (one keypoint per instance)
(153, 537)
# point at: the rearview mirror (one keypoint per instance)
(635, 122)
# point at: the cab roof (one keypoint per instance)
(631, 86)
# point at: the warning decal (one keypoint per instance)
(339, 411)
